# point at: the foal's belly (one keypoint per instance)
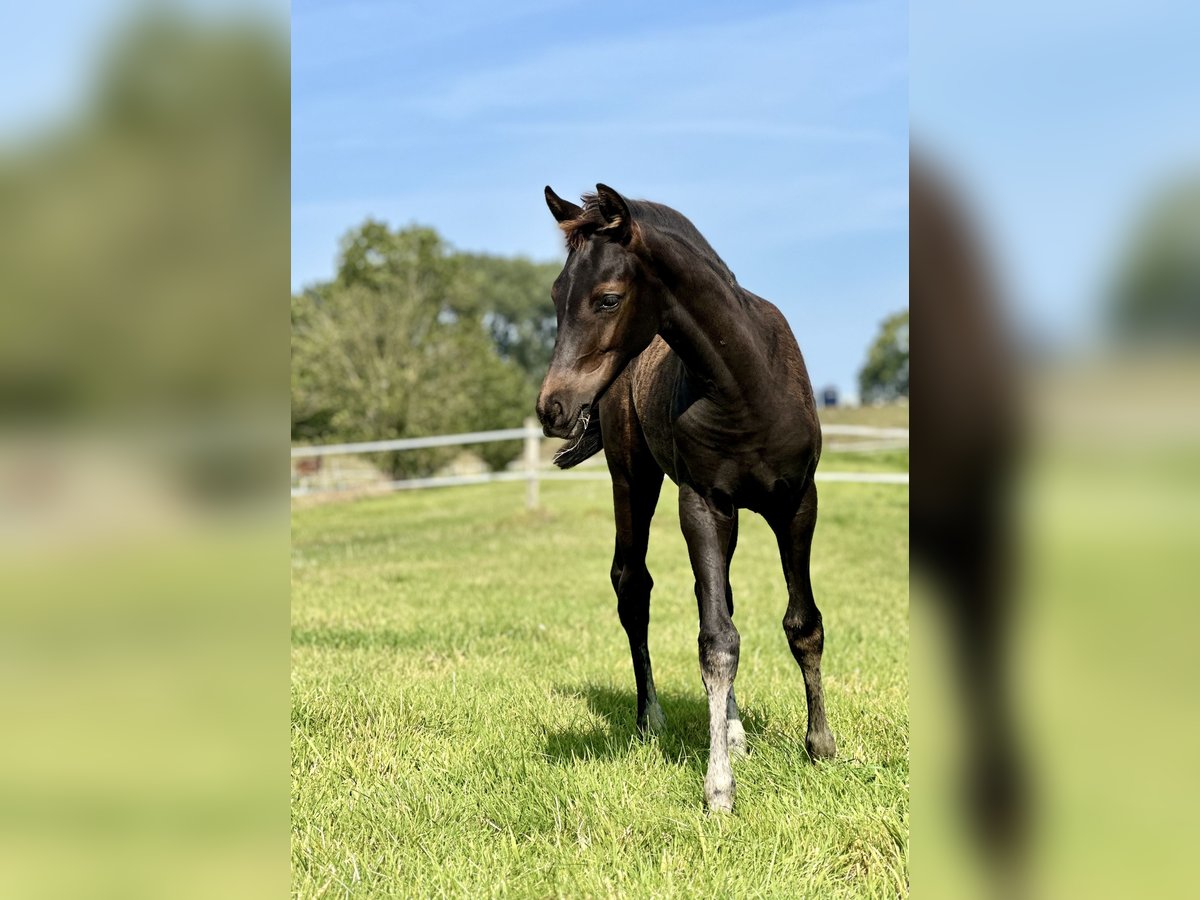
(758, 465)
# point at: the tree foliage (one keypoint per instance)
(411, 339)
(1157, 292)
(884, 376)
(513, 300)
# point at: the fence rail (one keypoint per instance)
(533, 471)
(418, 443)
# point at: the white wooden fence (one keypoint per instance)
(532, 470)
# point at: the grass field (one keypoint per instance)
(463, 705)
(892, 415)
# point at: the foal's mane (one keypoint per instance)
(647, 216)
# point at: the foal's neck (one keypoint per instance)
(707, 319)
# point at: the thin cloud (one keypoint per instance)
(830, 54)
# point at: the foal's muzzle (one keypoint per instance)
(562, 420)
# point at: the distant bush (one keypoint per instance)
(884, 376)
(412, 339)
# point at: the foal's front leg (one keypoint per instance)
(633, 504)
(706, 527)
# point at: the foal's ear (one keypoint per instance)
(562, 210)
(618, 223)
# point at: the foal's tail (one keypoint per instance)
(585, 446)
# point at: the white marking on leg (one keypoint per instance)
(718, 781)
(737, 733)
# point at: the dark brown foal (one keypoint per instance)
(673, 368)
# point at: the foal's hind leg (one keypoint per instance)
(802, 622)
(635, 494)
(736, 731)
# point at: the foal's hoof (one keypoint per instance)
(719, 800)
(654, 721)
(736, 741)
(820, 745)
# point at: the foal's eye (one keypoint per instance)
(609, 301)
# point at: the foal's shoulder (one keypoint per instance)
(780, 345)
(646, 371)
(775, 328)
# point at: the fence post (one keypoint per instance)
(533, 437)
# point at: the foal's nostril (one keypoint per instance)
(548, 410)
(556, 413)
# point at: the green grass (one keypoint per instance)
(893, 415)
(463, 705)
(875, 461)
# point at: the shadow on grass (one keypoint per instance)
(684, 741)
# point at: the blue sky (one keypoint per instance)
(49, 52)
(1061, 120)
(45, 60)
(780, 129)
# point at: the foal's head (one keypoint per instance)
(606, 308)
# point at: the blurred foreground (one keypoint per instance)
(143, 536)
(1056, 502)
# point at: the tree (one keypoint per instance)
(512, 297)
(395, 347)
(884, 376)
(1157, 291)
